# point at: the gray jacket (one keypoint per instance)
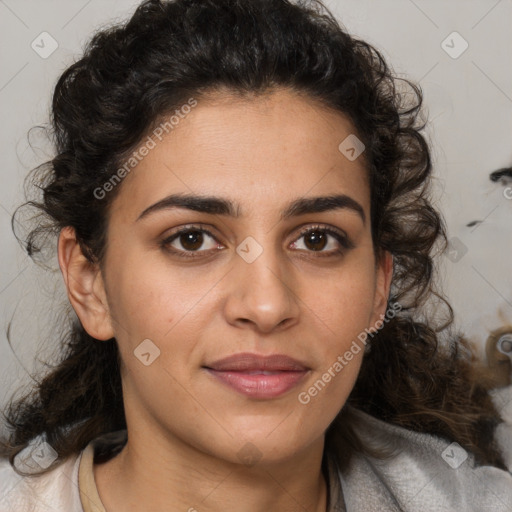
(426, 474)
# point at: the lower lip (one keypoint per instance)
(259, 385)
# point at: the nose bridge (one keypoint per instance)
(262, 292)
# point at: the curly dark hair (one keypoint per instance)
(133, 74)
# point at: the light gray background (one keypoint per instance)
(469, 100)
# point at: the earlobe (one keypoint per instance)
(85, 286)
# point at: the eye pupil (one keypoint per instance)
(191, 240)
(315, 237)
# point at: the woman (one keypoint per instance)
(246, 238)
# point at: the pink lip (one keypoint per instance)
(250, 362)
(244, 373)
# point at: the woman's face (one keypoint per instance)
(251, 283)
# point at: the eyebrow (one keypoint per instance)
(220, 206)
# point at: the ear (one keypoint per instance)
(382, 285)
(85, 286)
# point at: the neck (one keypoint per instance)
(165, 475)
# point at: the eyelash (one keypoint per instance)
(341, 238)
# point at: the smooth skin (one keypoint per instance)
(305, 297)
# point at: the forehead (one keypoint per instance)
(259, 151)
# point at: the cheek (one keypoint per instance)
(344, 303)
(147, 299)
(342, 315)
(165, 305)
(341, 311)
(327, 392)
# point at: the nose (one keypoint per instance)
(261, 293)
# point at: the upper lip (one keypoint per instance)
(249, 362)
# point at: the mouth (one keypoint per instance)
(256, 376)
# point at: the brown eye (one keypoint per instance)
(189, 242)
(315, 240)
